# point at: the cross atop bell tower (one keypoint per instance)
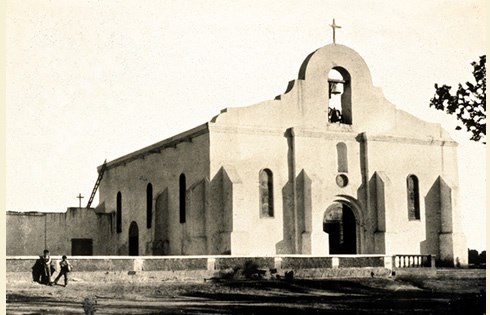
(334, 26)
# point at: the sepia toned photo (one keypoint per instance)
(245, 157)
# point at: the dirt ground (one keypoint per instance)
(448, 295)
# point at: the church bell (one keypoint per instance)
(334, 88)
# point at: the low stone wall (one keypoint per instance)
(198, 268)
(114, 263)
(173, 264)
(221, 263)
(122, 276)
(297, 263)
(359, 262)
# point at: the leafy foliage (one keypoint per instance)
(476, 258)
(469, 102)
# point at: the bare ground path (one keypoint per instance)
(447, 295)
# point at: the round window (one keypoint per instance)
(342, 180)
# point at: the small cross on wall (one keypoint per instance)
(80, 200)
(334, 26)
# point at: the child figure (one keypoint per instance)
(65, 267)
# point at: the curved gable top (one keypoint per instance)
(319, 62)
(307, 103)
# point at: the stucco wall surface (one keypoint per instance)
(162, 168)
(29, 233)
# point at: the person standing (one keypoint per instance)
(46, 271)
(65, 267)
(38, 270)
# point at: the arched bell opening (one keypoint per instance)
(339, 96)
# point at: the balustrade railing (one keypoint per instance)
(413, 261)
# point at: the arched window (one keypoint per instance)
(342, 165)
(339, 96)
(119, 212)
(266, 194)
(149, 204)
(182, 187)
(413, 198)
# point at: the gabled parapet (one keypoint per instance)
(308, 102)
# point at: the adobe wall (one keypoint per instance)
(242, 155)
(434, 164)
(29, 233)
(312, 173)
(316, 157)
(25, 233)
(161, 167)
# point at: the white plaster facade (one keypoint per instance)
(292, 137)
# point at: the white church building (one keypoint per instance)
(328, 167)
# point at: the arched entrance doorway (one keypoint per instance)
(133, 239)
(340, 224)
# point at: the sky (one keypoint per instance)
(94, 80)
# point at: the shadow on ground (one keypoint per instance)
(352, 296)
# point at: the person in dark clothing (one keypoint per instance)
(43, 269)
(65, 267)
(37, 270)
(47, 268)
